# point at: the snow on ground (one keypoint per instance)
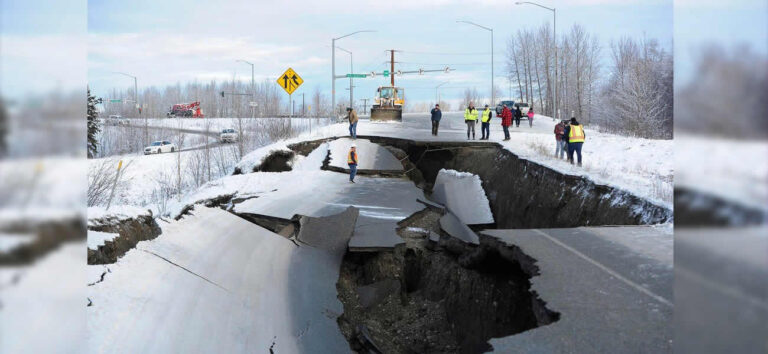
(98, 238)
(643, 167)
(216, 125)
(734, 170)
(10, 241)
(120, 212)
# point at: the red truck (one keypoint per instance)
(186, 110)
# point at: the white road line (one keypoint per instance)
(606, 269)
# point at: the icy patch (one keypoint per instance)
(462, 193)
(98, 238)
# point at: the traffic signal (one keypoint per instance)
(222, 94)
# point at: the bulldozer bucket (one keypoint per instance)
(385, 114)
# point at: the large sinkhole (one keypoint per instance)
(436, 294)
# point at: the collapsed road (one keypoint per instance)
(428, 252)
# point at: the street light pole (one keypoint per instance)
(333, 67)
(351, 83)
(554, 30)
(138, 104)
(493, 93)
(253, 88)
(437, 95)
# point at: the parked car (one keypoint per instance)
(228, 136)
(500, 106)
(523, 109)
(159, 147)
(115, 119)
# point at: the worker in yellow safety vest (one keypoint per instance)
(352, 159)
(470, 117)
(485, 128)
(574, 137)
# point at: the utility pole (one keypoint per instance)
(253, 88)
(303, 114)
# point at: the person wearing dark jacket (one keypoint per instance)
(506, 121)
(574, 136)
(518, 115)
(436, 115)
(560, 140)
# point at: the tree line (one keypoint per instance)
(633, 97)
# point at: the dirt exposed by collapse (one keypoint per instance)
(130, 231)
(422, 297)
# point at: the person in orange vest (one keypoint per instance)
(352, 162)
(574, 136)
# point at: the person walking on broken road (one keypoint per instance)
(352, 159)
(352, 116)
(436, 115)
(470, 117)
(574, 134)
(485, 128)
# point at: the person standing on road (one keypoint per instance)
(518, 116)
(470, 117)
(530, 117)
(352, 116)
(436, 115)
(575, 135)
(352, 159)
(560, 140)
(485, 119)
(506, 121)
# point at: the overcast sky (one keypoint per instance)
(164, 42)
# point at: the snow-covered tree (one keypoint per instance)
(93, 125)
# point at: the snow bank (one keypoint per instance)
(10, 241)
(120, 212)
(98, 238)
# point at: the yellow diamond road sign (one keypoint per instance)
(290, 81)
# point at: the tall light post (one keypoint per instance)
(333, 67)
(437, 95)
(138, 104)
(351, 83)
(253, 88)
(554, 30)
(493, 93)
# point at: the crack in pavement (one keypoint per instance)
(182, 267)
(101, 279)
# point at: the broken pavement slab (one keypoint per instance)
(451, 224)
(214, 282)
(463, 194)
(330, 233)
(372, 157)
(612, 294)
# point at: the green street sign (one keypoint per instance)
(361, 76)
(114, 100)
(386, 73)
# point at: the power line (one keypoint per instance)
(444, 53)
